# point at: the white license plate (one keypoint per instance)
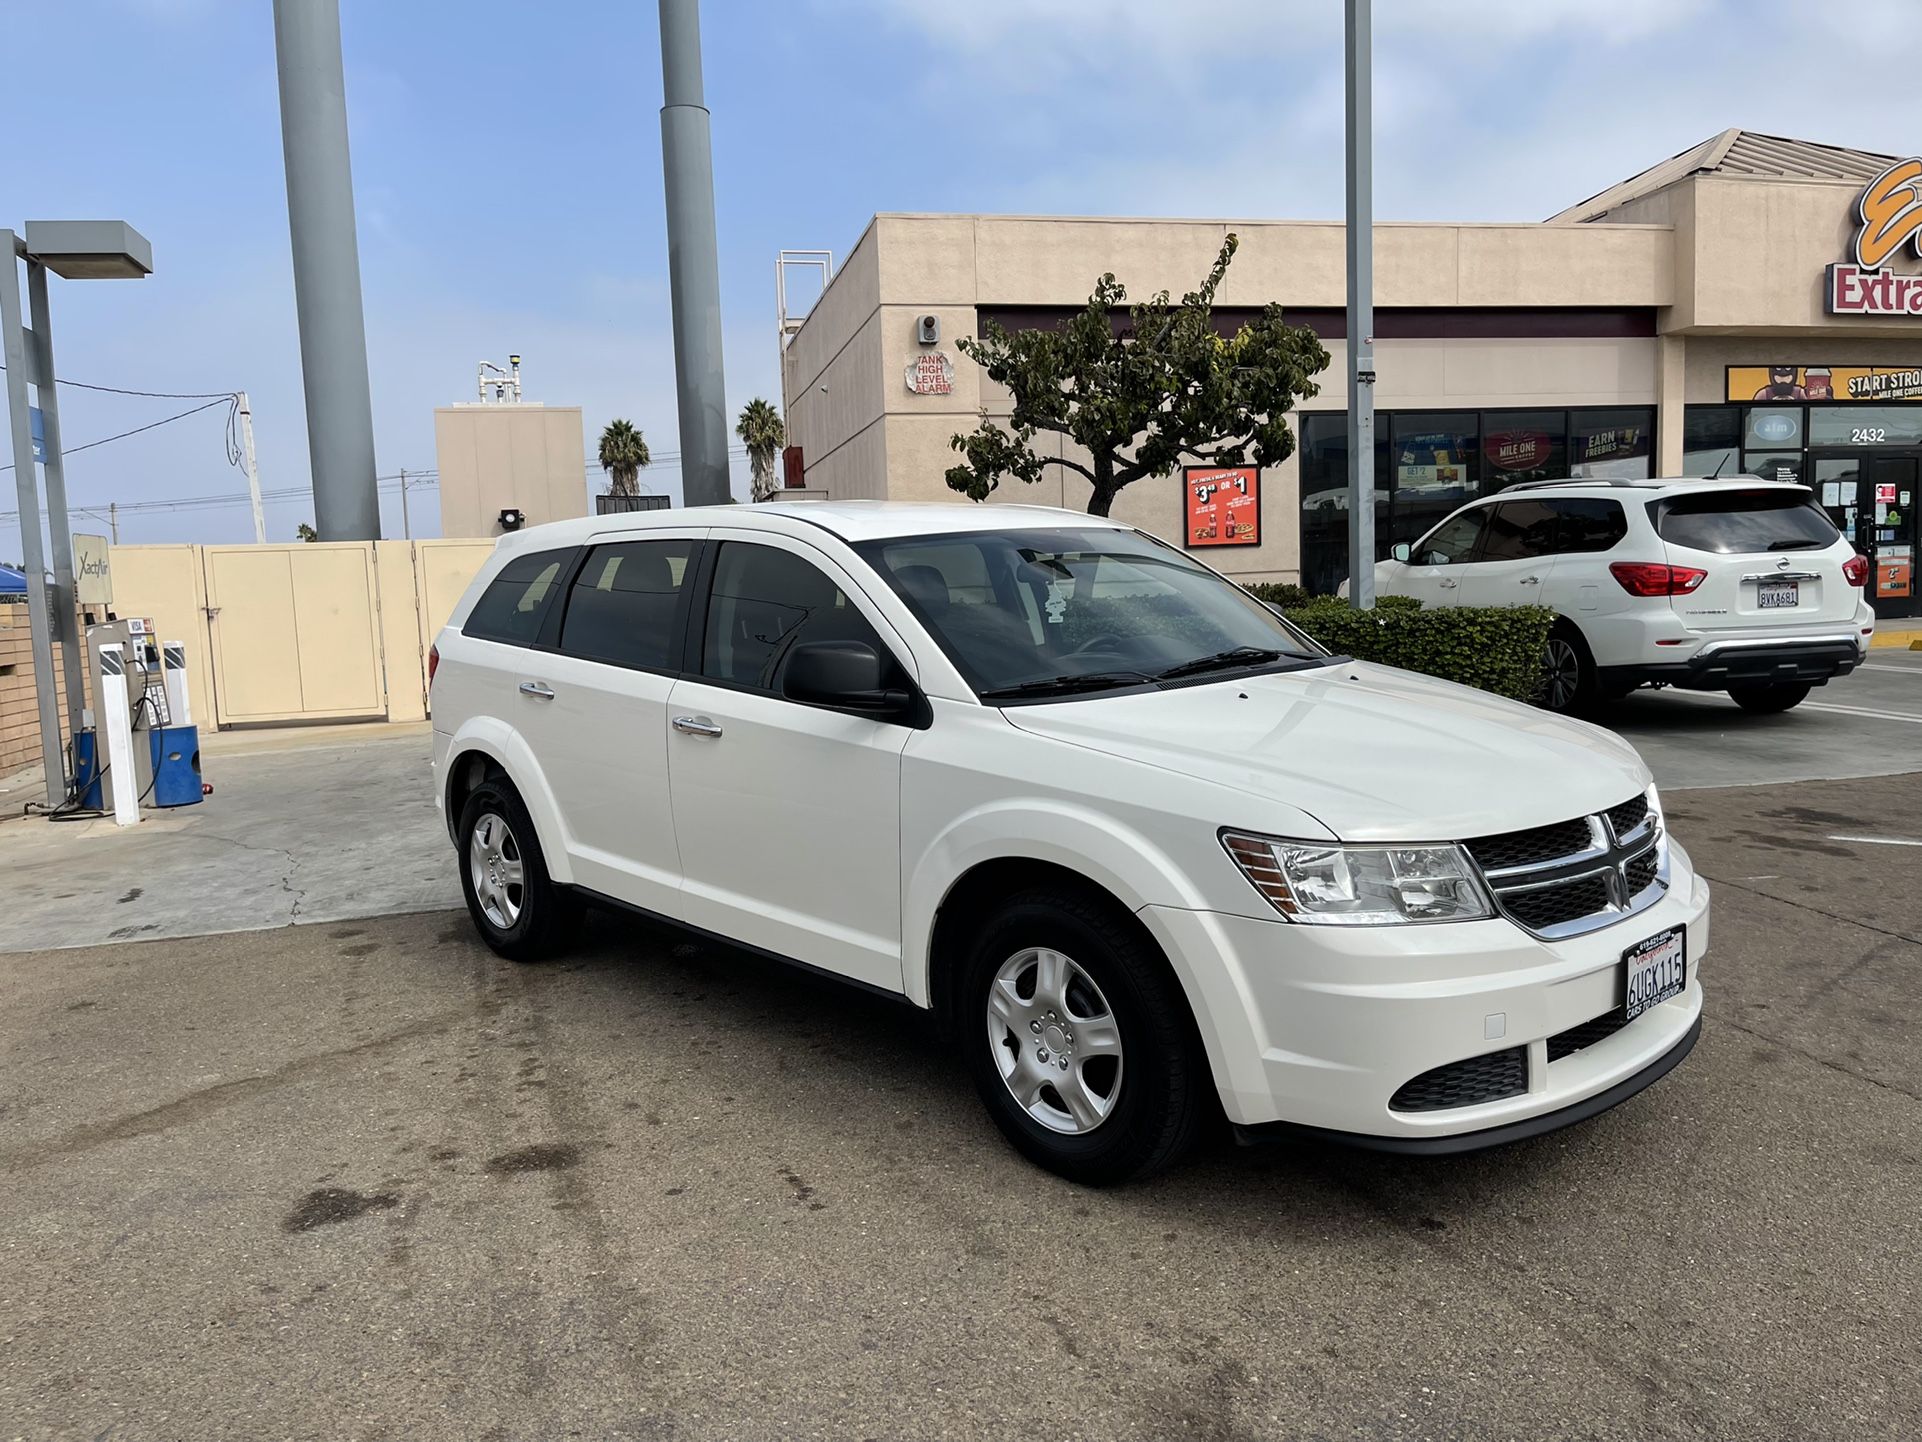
(1657, 969)
(1772, 595)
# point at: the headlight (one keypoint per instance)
(1334, 885)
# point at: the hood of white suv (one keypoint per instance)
(1372, 752)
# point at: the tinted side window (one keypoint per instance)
(1519, 531)
(765, 602)
(1589, 525)
(625, 606)
(515, 601)
(1735, 523)
(1453, 541)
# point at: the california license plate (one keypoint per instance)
(1774, 595)
(1657, 969)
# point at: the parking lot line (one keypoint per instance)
(1879, 840)
(1862, 711)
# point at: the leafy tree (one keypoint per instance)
(623, 454)
(761, 431)
(1141, 397)
(306, 532)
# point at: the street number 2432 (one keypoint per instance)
(1869, 435)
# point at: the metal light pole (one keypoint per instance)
(1361, 307)
(74, 250)
(320, 218)
(406, 526)
(693, 258)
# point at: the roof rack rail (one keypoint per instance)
(1618, 482)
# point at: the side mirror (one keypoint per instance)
(843, 674)
(1401, 552)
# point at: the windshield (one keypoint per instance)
(1072, 611)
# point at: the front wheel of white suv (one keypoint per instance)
(1079, 1040)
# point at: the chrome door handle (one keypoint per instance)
(540, 690)
(1531, 580)
(696, 726)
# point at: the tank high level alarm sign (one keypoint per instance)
(1221, 506)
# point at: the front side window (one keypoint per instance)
(765, 602)
(515, 602)
(1453, 541)
(1054, 611)
(1519, 531)
(1738, 523)
(625, 606)
(1588, 525)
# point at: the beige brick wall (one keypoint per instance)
(19, 704)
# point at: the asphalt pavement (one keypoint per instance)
(362, 1179)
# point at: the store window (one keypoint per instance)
(1772, 428)
(1854, 426)
(1430, 463)
(1783, 466)
(1612, 443)
(1711, 440)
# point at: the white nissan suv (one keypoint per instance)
(1150, 853)
(1738, 585)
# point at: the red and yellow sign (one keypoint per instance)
(1222, 506)
(1824, 383)
(1894, 573)
(1889, 215)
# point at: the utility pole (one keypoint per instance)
(406, 527)
(246, 414)
(113, 520)
(693, 258)
(1361, 307)
(320, 219)
(64, 608)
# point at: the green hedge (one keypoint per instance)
(1494, 648)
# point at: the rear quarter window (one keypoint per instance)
(516, 601)
(1738, 523)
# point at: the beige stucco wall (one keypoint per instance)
(493, 458)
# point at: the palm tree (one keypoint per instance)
(760, 429)
(623, 453)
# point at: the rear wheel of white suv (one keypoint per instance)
(1079, 1039)
(1767, 700)
(1568, 671)
(516, 906)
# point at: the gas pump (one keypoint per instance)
(141, 727)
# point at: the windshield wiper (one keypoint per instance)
(1222, 661)
(1068, 685)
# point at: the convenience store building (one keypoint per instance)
(1752, 304)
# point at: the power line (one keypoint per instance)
(157, 395)
(106, 440)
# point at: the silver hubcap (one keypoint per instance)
(1561, 673)
(1054, 1040)
(494, 866)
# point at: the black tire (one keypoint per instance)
(543, 918)
(1160, 1085)
(1767, 700)
(1568, 672)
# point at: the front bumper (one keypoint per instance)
(1319, 1027)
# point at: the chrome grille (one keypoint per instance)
(1577, 875)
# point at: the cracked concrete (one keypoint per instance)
(286, 837)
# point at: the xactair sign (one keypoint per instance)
(1889, 214)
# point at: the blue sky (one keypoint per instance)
(507, 169)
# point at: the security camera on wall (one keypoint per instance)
(927, 330)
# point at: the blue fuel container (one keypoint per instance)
(176, 766)
(86, 769)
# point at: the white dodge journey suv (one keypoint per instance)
(1144, 848)
(1737, 585)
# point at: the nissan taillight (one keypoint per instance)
(1856, 570)
(433, 663)
(1653, 578)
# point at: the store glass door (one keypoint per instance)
(1873, 499)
